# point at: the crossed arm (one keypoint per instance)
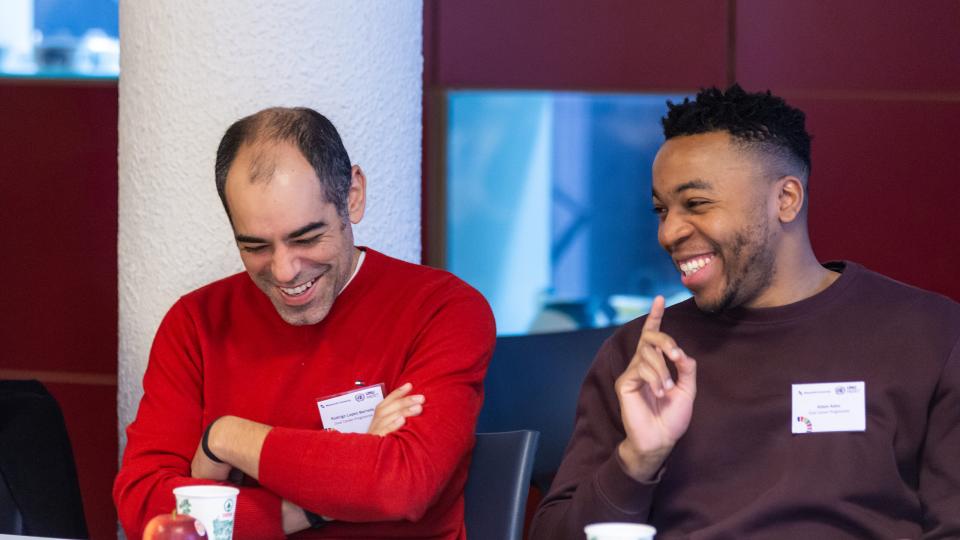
(350, 477)
(237, 442)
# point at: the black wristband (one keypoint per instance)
(205, 447)
(314, 520)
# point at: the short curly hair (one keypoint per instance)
(760, 121)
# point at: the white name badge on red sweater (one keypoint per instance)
(352, 411)
(824, 407)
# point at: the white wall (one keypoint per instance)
(188, 70)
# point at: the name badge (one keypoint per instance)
(824, 407)
(350, 412)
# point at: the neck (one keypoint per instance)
(798, 275)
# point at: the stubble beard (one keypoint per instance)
(748, 267)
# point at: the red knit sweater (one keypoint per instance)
(224, 350)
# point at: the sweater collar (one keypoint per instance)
(849, 272)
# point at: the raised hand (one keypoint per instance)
(392, 413)
(654, 408)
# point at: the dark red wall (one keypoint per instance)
(880, 85)
(58, 222)
(881, 88)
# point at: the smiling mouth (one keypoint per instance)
(299, 290)
(695, 264)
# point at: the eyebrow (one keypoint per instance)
(242, 238)
(692, 184)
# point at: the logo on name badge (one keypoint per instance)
(359, 397)
(806, 423)
(840, 390)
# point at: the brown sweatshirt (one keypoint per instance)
(739, 472)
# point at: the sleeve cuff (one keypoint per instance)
(623, 493)
(258, 515)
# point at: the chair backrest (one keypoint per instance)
(498, 483)
(532, 383)
(42, 494)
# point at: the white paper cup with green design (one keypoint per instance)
(619, 531)
(214, 506)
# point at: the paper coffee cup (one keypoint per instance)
(214, 506)
(619, 531)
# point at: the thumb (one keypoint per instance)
(687, 372)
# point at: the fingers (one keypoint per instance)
(656, 314)
(401, 391)
(391, 413)
(648, 365)
(400, 403)
(687, 374)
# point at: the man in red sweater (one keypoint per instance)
(787, 399)
(238, 367)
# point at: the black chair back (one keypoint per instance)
(532, 383)
(497, 485)
(37, 471)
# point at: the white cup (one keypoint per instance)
(619, 531)
(214, 506)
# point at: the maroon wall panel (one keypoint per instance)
(58, 214)
(850, 45)
(883, 184)
(571, 44)
(881, 87)
(58, 218)
(90, 412)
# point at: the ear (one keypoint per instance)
(357, 196)
(790, 198)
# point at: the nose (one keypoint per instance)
(285, 265)
(673, 230)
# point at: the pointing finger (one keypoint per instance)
(655, 315)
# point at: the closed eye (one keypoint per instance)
(696, 203)
(255, 248)
(307, 241)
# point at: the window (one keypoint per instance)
(59, 38)
(548, 206)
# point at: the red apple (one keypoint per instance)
(174, 527)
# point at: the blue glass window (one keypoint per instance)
(549, 206)
(59, 38)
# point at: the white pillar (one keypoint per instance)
(188, 70)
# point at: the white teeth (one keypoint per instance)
(298, 290)
(691, 267)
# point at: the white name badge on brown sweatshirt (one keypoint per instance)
(351, 411)
(825, 407)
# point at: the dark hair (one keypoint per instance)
(310, 131)
(757, 120)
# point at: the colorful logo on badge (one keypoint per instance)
(806, 422)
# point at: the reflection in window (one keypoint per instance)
(59, 38)
(549, 206)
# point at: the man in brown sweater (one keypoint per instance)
(787, 398)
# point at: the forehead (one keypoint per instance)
(272, 189)
(707, 158)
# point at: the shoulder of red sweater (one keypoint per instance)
(230, 285)
(380, 265)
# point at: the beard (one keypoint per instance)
(748, 266)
